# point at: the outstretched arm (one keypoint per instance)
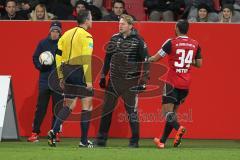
(155, 58)
(166, 49)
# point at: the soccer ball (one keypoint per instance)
(46, 58)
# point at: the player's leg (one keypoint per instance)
(131, 106)
(176, 107)
(74, 75)
(41, 109)
(85, 121)
(110, 101)
(178, 137)
(57, 105)
(182, 94)
(62, 115)
(167, 110)
(168, 100)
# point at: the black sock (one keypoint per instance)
(171, 117)
(171, 122)
(61, 116)
(85, 121)
(175, 125)
(167, 130)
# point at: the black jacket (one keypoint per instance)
(46, 44)
(16, 17)
(124, 56)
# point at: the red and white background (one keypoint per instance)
(211, 111)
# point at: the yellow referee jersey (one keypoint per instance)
(76, 45)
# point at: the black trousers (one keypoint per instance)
(113, 92)
(42, 104)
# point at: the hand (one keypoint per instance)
(45, 68)
(61, 83)
(139, 88)
(151, 59)
(89, 85)
(142, 85)
(102, 83)
(90, 90)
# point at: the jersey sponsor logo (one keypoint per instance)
(90, 45)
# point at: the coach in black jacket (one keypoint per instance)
(47, 44)
(126, 56)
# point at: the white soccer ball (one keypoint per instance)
(46, 58)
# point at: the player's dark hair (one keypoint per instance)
(183, 26)
(83, 16)
(118, 1)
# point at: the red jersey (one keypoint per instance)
(181, 52)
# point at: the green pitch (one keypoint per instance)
(117, 150)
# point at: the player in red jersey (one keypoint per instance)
(183, 53)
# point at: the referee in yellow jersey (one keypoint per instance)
(73, 61)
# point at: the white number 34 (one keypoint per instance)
(184, 58)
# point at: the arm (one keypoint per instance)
(143, 51)
(37, 64)
(87, 49)
(166, 49)
(107, 59)
(155, 57)
(36, 55)
(106, 65)
(58, 58)
(197, 62)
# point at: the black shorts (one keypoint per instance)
(173, 95)
(75, 84)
